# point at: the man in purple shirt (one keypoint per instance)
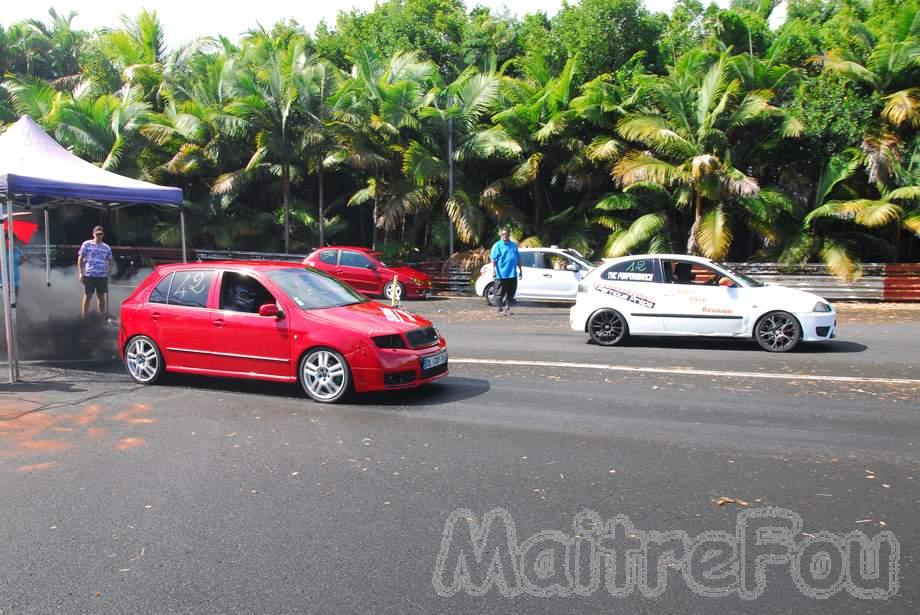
(94, 261)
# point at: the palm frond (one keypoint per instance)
(714, 236)
(839, 261)
(642, 230)
(903, 108)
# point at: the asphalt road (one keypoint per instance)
(211, 496)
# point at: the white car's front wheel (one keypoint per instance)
(607, 327)
(489, 294)
(778, 332)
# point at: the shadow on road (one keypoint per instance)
(746, 345)
(448, 390)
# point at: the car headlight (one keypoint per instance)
(389, 341)
(821, 306)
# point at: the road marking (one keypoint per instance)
(687, 372)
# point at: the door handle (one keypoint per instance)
(219, 323)
(547, 275)
(155, 316)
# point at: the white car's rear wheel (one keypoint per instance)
(778, 332)
(607, 327)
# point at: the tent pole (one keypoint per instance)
(182, 229)
(48, 262)
(6, 279)
(11, 267)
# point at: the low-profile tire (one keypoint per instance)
(607, 327)
(324, 375)
(400, 291)
(143, 360)
(778, 332)
(489, 294)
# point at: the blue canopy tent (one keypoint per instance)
(37, 173)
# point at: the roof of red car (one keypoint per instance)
(233, 265)
(356, 248)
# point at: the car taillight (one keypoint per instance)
(389, 341)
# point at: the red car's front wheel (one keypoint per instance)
(324, 375)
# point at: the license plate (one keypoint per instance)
(434, 360)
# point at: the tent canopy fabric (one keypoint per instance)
(36, 170)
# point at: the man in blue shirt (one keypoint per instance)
(506, 267)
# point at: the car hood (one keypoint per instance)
(794, 299)
(408, 272)
(370, 318)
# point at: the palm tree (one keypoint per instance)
(265, 103)
(319, 85)
(375, 110)
(138, 49)
(457, 114)
(700, 113)
(536, 131)
(829, 229)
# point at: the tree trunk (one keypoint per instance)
(692, 244)
(897, 242)
(374, 217)
(319, 175)
(285, 197)
(537, 205)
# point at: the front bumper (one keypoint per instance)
(398, 368)
(818, 326)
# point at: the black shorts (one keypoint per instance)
(91, 285)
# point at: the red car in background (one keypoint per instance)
(274, 321)
(362, 269)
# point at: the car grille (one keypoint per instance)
(822, 331)
(419, 338)
(434, 371)
(398, 378)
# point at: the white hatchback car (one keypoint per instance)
(670, 294)
(549, 274)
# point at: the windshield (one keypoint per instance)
(385, 263)
(746, 279)
(575, 256)
(313, 290)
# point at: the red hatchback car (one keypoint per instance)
(362, 269)
(274, 321)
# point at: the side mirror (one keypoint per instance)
(270, 309)
(571, 267)
(727, 282)
(372, 266)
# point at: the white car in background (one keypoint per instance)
(549, 274)
(670, 294)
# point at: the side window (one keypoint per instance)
(243, 293)
(529, 259)
(637, 270)
(190, 288)
(691, 273)
(328, 256)
(354, 259)
(161, 291)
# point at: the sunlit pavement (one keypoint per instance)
(212, 496)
